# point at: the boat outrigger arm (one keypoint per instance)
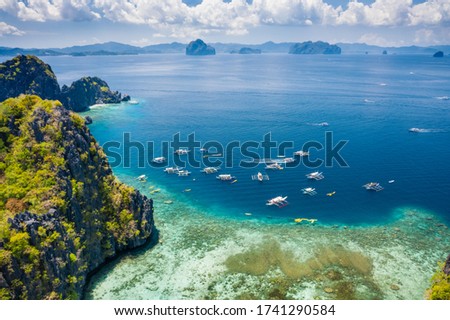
(279, 201)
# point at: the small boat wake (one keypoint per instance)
(369, 101)
(422, 130)
(443, 98)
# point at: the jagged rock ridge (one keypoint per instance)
(199, 48)
(30, 75)
(62, 211)
(318, 47)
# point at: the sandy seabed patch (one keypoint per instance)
(203, 256)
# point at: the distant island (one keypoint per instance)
(247, 50)
(199, 48)
(115, 48)
(30, 75)
(318, 47)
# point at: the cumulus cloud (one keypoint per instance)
(6, 29)
(176, 18)
(377, 40)
(432, 36)
(43, 10)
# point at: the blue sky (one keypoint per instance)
(60, 23)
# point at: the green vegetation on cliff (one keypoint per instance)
(318, 47)
(30, 75)
(27, 75)
(62, 212)
(440, 283)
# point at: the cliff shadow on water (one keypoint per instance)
(111, 262)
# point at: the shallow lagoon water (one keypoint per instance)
(364, 246)
(203, 256)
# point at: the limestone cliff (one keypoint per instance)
(30, 75)
(86, 92)
(318, 47)
(199, 48)
(62, 212)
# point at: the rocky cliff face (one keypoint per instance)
(62, 212)
(199, 48)
(30, 75)
(27, 75)
(318, 47)
(447, 266)
(88, 91)
(246, 50)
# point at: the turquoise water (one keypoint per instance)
(365, 245)
(371, 101)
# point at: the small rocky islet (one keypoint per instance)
(30, 75)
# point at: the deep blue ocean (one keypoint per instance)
(371, 101)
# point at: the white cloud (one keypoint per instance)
(431, 12)
(432, 36)
(43, 10)
(377, 40)
(174, 18)
(6, 29)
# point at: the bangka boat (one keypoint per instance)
(142, 178)
(274, 166)
(225, 177)
(260, 177)
(373, 186)
(183, 173)
(182, 151)
(288, 160)
(309, 191)
(315, 175)
(210, 170)
(172, 170)
(159, 160)
(301, 153)
(331, 194)
(133, 102)
(279, 201)
(300, 220)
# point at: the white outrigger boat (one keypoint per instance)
(301, 153)
(274, 166)
(183, 173)
(159, 160)
(260, 177)
(210, 170)
(279, 201)
(315, 175)
(373, 186)
(287, 160)
(309, 191)
(225, 177)
(142, 178)
(182, 151)
(172, 170)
